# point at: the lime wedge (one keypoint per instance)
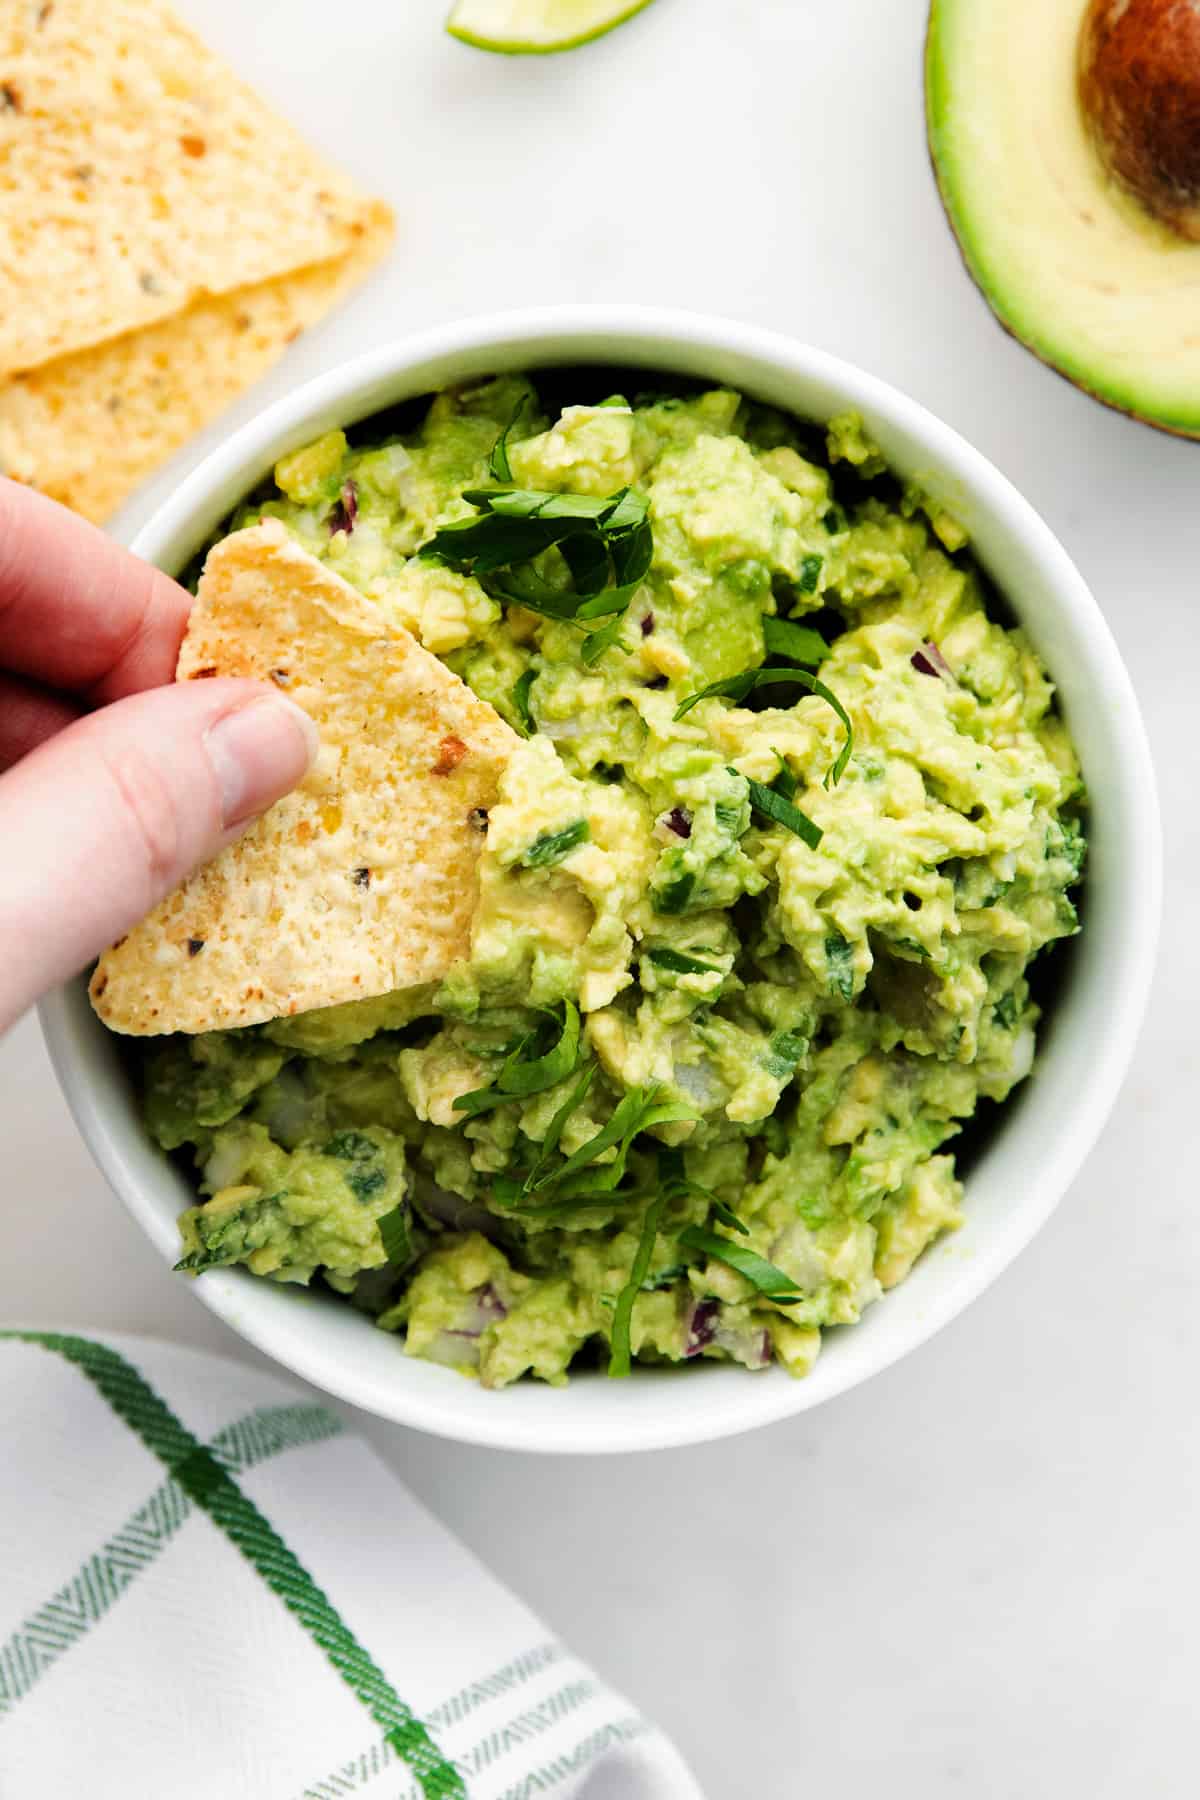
(536, 27)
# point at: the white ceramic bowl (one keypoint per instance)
(1085, 1046)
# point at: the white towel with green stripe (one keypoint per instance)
(211, 1589)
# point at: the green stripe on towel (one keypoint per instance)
(210, 1486)
(447, 1713)
(47, 1634)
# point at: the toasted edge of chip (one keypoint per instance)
(364, 880)
(87, 429)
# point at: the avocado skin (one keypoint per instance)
(937, 82)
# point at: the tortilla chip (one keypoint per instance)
(363, 880)
(88, 428)
(137, 174)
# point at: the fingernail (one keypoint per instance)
(258, 753)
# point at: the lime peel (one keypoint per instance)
(536, 27)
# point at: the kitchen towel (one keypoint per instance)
(212, 1589)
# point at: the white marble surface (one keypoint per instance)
(977, 1576)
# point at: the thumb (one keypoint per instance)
(101, 821)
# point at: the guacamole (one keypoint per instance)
(744, 962)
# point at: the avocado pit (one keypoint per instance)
(1139, 88)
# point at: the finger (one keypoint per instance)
(28, 715)
(76, 610)
(104, 819)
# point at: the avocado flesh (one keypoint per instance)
(1070, 264)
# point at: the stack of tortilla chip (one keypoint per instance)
(163, 237)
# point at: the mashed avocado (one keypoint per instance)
(732, 991)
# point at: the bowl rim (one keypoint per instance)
(230, 469)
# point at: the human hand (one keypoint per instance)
(116, 782)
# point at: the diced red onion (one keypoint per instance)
(700, 1082)
(226, 1164)
(750, 1348)
(452, 1209)
(459, 1345)
(674, 824)
(453, 1349)
(345, 509)
(483, 1309)
(565, 730)
(928, 660)
(287, 1109)
(701, 1326)
(1021, 1060)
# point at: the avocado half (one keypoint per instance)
(1069, 262)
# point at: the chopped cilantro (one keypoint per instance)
(395, 1235)
(364, 1176)
(737, 687)
(724, 1214)
(787, 1051)
(227, 1236)
(636, 1112)
(839, 962)
(783, 637)
(810, 574)
(606, 543)
(785, 782)
(663, 1278)
(773, 806)
(672, 1183)
(677, 962)
(527, 1070)
(520, 700)
(553, 846)
(557, 1125)
(762, 1275)
(673, 898)
(913, 948)
(499, 467)
(1007, 1010)
(620, 1354)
